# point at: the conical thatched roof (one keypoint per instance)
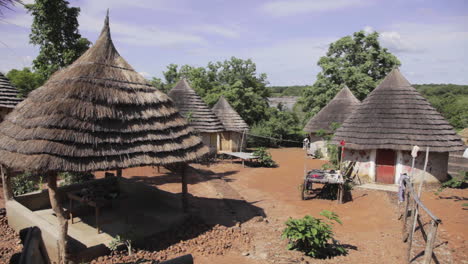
(395, 116)
(96, 114)
(336, 111)
(8, 93)
(231, 120)
(199, 115)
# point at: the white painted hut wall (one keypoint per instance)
(365, 163)
(437, 166)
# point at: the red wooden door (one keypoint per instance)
(385, 161)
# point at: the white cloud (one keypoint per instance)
(139, 35)
(296, 7)
(368, 29)
(145, 74)
(227, 32)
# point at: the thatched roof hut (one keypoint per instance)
(191, 105)
(234, 138)
(8, 93)
(96, 114)
(336, 111)
(395, 116)
(388, 123)
(231, 120)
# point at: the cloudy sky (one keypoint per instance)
(284, 38)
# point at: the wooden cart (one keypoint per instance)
(323, 177)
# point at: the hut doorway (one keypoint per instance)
(385, 166)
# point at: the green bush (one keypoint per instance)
(318, 154)
(264, 158)
(459, 182)
(314, 236)
(75, 177)
(24, 183)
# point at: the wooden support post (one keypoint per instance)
(58, 210)
(119, 173)
(341, 193)
(183, 172)
(410, 230)
(405, 215)
(6, 180)
(159, 169)
(430, 242)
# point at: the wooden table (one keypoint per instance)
(329, 178)
(96, 203)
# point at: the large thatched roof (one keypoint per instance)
(8, 93)
(336, 111)
(231, 120)
(396, 116)
(199, 115)
(96, 114)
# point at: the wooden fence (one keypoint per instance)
(411, 218)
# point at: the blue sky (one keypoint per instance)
(284, 38)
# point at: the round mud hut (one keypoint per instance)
(233, 139)
(380, 134)
(8, 96)
(199, 116)
(96, 114)
(335, 112)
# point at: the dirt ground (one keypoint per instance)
(240, 214)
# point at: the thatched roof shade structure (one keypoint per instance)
(8, 93)
(231, 120)
(96, 114)
(199, 115)
(395, 116)
(336, 111)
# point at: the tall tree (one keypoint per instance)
(358, 61)
(24, 80)
(236, 79)
(55, 31)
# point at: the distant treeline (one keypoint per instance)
(277, 91)
(450, 100)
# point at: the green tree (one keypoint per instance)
(236, 79)
(24, 80)
(159, 84)
(55, 31)
(359, 61)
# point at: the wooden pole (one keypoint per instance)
(119, 173)
(412, 227)
(58, 210)
(424, 173)
(405, 215)
(430, 242)
(183, 171)
(6, 179)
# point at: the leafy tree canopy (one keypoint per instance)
(358, 61)
(25, 80)
(55, 31)
(236, 79)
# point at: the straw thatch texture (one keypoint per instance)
(395, 116)
(199, 115)
(231, 120)
(8, 93)
(96, 114)
(336, 111)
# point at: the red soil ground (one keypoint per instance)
(370, 227)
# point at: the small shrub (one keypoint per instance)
(75, 177)
(264, 158)
(24, 183)
(119, 240)
(314, 236)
